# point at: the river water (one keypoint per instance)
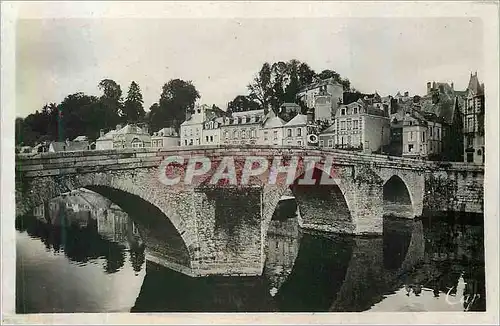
(92, 260)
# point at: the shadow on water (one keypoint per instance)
(433, 258)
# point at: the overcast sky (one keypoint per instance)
(57, 57)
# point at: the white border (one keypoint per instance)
(488, 11)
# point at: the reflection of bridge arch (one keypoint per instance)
(144, 207)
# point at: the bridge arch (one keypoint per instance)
(325, 207)
(398, 197)
(120, 187)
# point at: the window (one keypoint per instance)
(254, 133)
(243, 134)
(470, 157)
(355, 110)
(410, 135)
(470, 141)
(265, 135)
(355, 124)
(185, 142)
(349, 124)
(342, 112)
(211, 138)
(275, 135)
(423, 136)
(299, 142)
(299, 132)
(321, 143)
(437, 133)
(470, 124)
(349, 140)
(330, 143)
(235, 134)
(289, 132)
(430, 131)
(342, 125)
(160, 143)
(410, 148)
(206, 137)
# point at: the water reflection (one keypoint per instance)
(417, 265)
(79, 239)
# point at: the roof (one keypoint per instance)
(131, 129)
(272, 121)
(107, 136)
(474, 86)
(165, 132)
(328, 130)
(298, 120)
(328, 81)
(248, 113)
(61, 146)
(81, 138)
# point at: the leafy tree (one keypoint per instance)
(133, 110)
(111, 100)
(261, 88)
(325, 74)
(242, 103)
(178, 97)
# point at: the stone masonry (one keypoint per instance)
(224, 227)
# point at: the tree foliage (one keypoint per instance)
(242, 103)
(133, 110)
(281, 81)
(177, 98)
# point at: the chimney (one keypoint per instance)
(101, 133)
(119, 126)
(452, 86)
(145, 128)
(406, 94)
(428, 88)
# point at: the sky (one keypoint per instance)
(58, 57)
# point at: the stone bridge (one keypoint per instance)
(204, 228)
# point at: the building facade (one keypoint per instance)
(473, 119)
(165, 137)
(242, 128)
(422, 135)
(358, 125)
(324, 97)
(295, 131)
(271, 131)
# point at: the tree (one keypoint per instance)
(178, 97)
(242, 103)
(133, 110)
(261, 88)
(111, 100)
(325, 74)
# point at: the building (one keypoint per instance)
(324, 97)
(80, 143)
(191, 130)
(473, 119)
(242, 128)
(130, 136)
(358, 125)
(166, 137)
(271, 131)
(212, 131)
(422, 135)
(295, 131)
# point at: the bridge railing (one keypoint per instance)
(343, 156)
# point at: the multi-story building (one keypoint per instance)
(324, 97)
(165, 137)
(473, 119)
(271, 131)
(358, 125)
(130, 136)
(422, 135)
(191, 129)
(242, 128)
(295, 131)
(212, 131)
